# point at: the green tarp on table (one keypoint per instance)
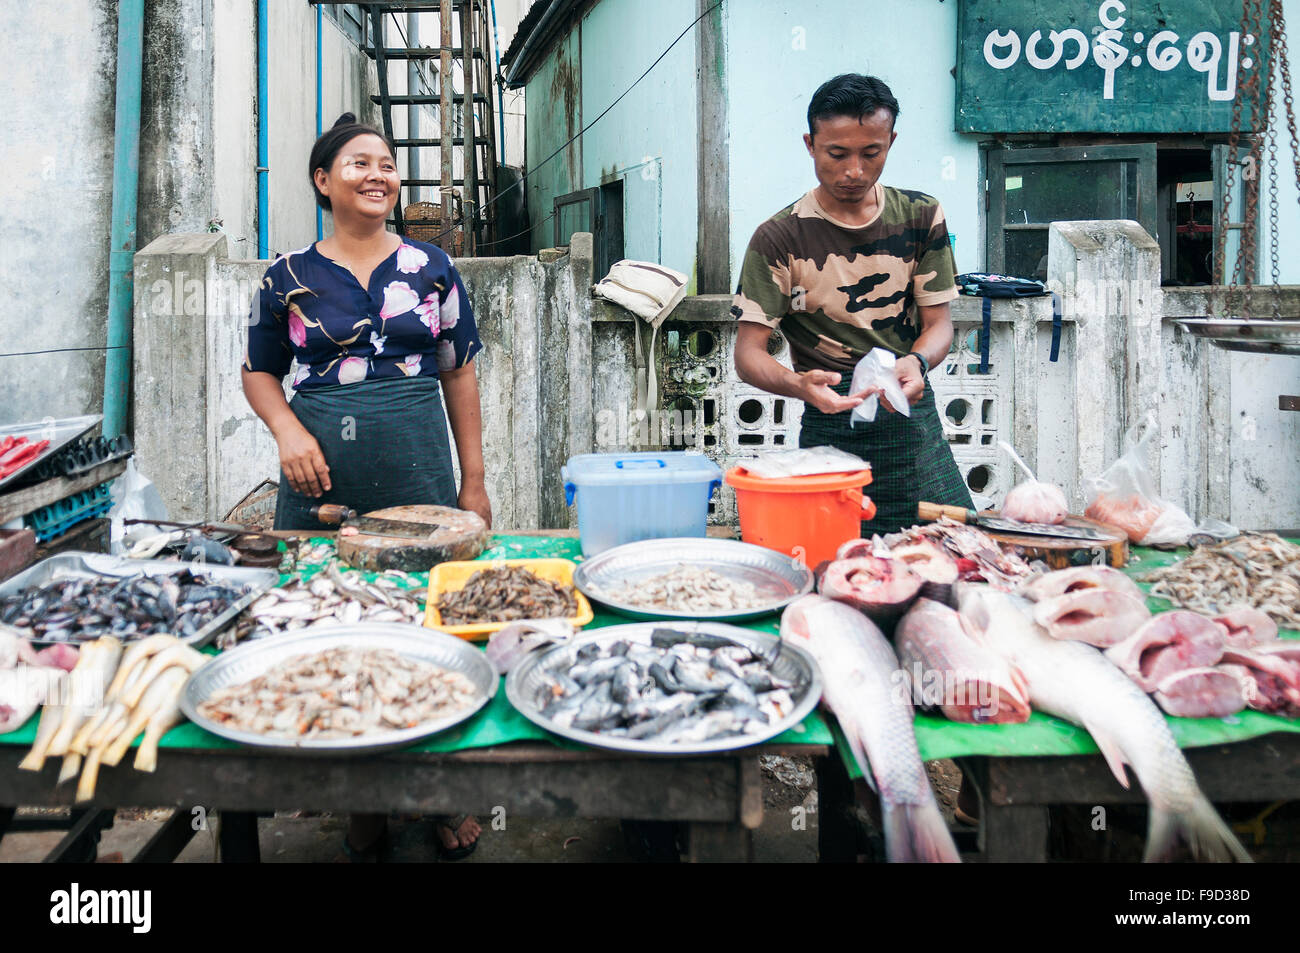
(498, 723)
(936, 737)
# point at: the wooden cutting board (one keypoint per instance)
(454, 535)
(1060, 552)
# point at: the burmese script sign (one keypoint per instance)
(1103, 65)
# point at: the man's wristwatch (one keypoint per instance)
(925, 365)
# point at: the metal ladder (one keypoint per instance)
(462, 49)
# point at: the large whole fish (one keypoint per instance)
(866, 689)
(1076, 682)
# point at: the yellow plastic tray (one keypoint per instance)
(452, 577)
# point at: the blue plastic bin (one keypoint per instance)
(625, 497)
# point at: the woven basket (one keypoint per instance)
(424, 224)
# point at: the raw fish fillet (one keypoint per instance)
(1053, 584)
(1200, 693)
(1168, 643)
(1276, 680)
(948, 669)
(1247, 626)
(1099, 617)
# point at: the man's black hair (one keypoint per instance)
(853, 95)
(331, 142)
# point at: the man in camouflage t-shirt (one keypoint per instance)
(850, 266)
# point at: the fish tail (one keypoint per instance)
(1201, 827)
(917, 834)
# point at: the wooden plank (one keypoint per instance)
(719, 844)
(837, 828)
(86, 826)
(447, 240)
(169, 840)
(21, 502)
(1261, 769)
(705, 788)
(1015, 834)
(713, 235)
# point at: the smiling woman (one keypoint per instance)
(380, 327)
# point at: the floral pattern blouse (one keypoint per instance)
(414, 320)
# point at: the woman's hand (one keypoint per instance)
(302, 461)
(473, 497)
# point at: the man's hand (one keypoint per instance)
(907, 370)
(302, 461)
(815, 389)
(473, 497)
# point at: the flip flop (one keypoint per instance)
(453, 823)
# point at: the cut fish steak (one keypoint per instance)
(881, 587)
(1201, 692)
(1168, 643)
(1080, 578)
(1100, 617)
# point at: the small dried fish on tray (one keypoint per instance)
(341, 693)
(504, 594)
(689, 588)
(78, 597)
(657, 690)
(331, 595)
(340, 689)
(1260, 570)
(693, 578)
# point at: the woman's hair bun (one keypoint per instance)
(346, 119)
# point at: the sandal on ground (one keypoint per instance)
(453, 823)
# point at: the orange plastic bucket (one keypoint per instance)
(807, 517)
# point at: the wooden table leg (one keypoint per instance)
(837, 827)
(1014, 834)
(238, 838)
(718, 843)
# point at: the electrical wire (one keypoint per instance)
(60, 350)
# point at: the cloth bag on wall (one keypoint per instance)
(650, 292)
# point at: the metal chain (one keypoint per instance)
(1270, 136)
(1253, 91)
(1230, 172)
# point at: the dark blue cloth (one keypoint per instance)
(385, 442)
(413, 321)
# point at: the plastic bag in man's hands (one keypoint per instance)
(877, 370)
(1125, 495)
(134, 498)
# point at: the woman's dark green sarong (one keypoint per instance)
(910, 459)
(385, 442)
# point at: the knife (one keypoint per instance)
(333, 514)
(932, 511)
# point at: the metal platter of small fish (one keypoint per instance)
(245, 665)
(78, 597)
(654, 689)
(693, 578)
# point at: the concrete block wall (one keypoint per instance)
(558, 376)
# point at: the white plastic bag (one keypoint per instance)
(134, 498)
(807, 461)
(1125, 495)
(1033, 501)
(877, 370)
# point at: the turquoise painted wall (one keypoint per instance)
(647, 141)
(554, 97)
(780, 52)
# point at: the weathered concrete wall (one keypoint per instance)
(205, 448)
(558, 377)
(55, 204)
(234, 124)
(177, 161)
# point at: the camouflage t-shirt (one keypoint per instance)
(837, 291)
